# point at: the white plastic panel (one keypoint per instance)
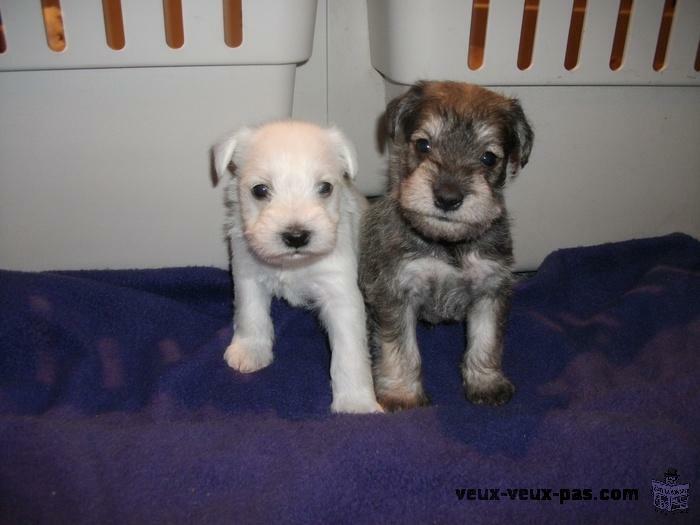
(503, 32)
(274, 32)
(104, 160)
(550, 44)
(685, 24)
(597, 40)
(414, 39)
(110, 168)
(642, 37)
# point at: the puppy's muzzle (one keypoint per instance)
(447, 196)
(296, 237)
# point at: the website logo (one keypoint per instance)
(669, 495)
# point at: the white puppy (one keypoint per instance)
(293, 227)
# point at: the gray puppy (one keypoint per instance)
(437, 247)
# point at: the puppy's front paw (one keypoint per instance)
(248, 355)
(355, 405)
(392, 401)
(492, 389)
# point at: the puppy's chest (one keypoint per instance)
(292, 286)
(443, 290)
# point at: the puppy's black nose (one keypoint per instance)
(296, 238)
(447, 196)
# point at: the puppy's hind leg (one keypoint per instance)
(483, 379)
(342, 312)
(251, 347)
(397, 365)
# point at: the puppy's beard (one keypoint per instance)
(441, 229)
(470, 220)
(293, 258)
(264, 238)
(275, 253)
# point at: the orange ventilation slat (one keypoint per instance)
(477, 33)
(233, 23)
(527, 33)
(53, 25)
(573, 45)
(664, 35)
(3, 42)
(617, 54)
(114, 24)
(174, 30)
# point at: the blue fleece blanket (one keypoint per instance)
(117, 407)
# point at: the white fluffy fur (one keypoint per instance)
(292, 159)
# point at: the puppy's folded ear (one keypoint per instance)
(402, 112)
(228, 149)
(345, 150)
(521, 137)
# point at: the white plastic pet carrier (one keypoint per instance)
(108, 113)
(611, 87)
(109, 109)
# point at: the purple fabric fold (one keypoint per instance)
(116, 405)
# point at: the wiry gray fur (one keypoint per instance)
(414, 265)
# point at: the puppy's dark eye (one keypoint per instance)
(488, 159)
(260, 191)
(325, 189)
(423, 146)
